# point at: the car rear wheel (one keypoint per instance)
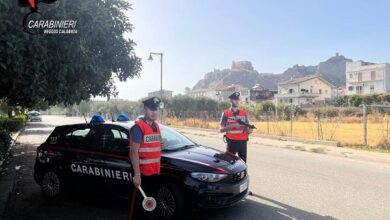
(51, 185)
(170, 201)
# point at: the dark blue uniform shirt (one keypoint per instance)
(136, 134)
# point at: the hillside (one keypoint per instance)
(243, 73)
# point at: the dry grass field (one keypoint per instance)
(346, 131)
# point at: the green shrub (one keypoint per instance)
(350, 111)
(268, 107)
(371, 99)
(280, 111)
(340, 101)
(385, 97)
(12, 125)
(355, 100)
(22, 117)
(5, 142)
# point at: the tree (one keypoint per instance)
(223, 105)
(84, 107)
(355, 100)
(65, 68)
(268, 107)
(341, 101)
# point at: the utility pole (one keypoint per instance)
(161, 74)
(318, 124)
(364, 125)
(291, 121)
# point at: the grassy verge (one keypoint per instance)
(372, 149)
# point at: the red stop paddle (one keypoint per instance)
(149, 203)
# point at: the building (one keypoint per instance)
(223, 93)
(307, 90)
(208, 93)
(339, 91)
(367, 78)
(259, 94)
(165, 94)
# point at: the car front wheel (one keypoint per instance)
(51, 185)
(170, 201)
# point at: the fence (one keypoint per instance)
(368, 125)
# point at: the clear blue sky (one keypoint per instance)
(197, 36)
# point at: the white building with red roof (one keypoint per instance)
(312, 89)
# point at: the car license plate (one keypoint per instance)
(243, 187)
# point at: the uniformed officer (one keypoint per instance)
(145, 154)
(236, 133)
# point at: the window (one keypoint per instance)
(114, 140)
(291, 90)
(320, 91)
(290, 100)
(79, 133)
(372, 88)
(350, 88)
(173, 140)
(79, 137)
(118, 134)
(350, 75)
(373, 75)
(360, 77)
(359, 89)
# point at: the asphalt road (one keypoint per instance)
(286, 184)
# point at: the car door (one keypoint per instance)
(113, 148)
(85, 161)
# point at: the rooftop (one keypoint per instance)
(303, 79)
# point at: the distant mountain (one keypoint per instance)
(333, 69)
(242, 73)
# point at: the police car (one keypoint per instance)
(94, 157)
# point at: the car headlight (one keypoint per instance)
(208, 177)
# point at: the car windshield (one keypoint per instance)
(173, 140)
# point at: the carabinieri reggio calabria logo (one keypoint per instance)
(35, 23)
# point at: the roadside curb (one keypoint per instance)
(297, 139)
(274, 137)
